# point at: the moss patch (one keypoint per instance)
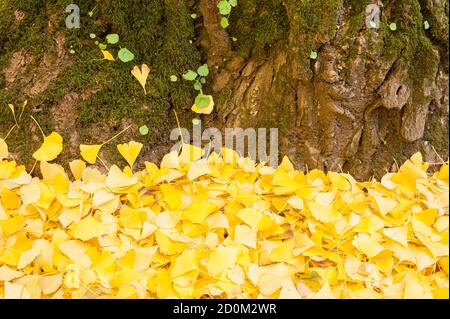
(258, 26)
(158, 33)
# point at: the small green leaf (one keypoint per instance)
(202, 101)
(234, 39)
(102, 46)
(72, 51)
(90, 13)
(202, 80)
(224, 7)
(194, 16)
(232, 3)
(112, 38)
(224, 23)
(92, 36)
(173, 78)
(190, 75)
(125, 55)
(197, 86)
(393, 26)
(313, 55)
(426, 25)
(203, 70)
(96, 42)
(143, 130)
(196, 121)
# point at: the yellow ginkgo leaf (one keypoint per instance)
(77, 168)
(27, 257)
(90, 152)
(3, 149)
(107, 55)
(7, 274)
(141, 74)
(87, 229)
(171, 195)
(206, 110)
(198, 169)
(220, 259)
(130, 151)
(16, 291)
(11, 107)
(49, 284)
(245, 235)
(50, 149)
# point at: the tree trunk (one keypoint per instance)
(371, 98)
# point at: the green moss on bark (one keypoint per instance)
(160, 33)
(258, 26)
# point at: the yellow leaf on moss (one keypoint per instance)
(90, 152)
(50, 149)
(130, 151)
(141, 74)
(107, 55)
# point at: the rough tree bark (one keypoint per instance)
(371, 98)
(366, 99)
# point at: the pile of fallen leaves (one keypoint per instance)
(221, 227)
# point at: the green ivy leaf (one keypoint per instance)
(112, 38)
(203, 70)
(426, 25)
(202, 101)
(197, 86)
(232, 3)
(143, 130)
(313, 55)
(224, 23)
(125, 55)
(224, 7)
(173, 78)
(393, 26)
(190, 75)
(92, 36)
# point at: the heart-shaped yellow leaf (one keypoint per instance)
(90, 152)
(141, 74)
(130, 151)
(50, 149)
(107, 55)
